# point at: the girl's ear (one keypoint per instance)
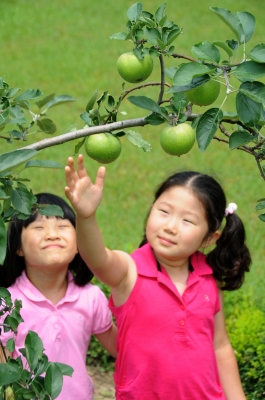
(20, 253)
(211, 239)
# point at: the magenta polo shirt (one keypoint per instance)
(65, 328)
(165, 341)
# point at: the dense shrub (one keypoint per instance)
(246, 329)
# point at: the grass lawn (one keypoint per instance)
(63, 46)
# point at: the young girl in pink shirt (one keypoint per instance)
(167, 296)
(44, 270)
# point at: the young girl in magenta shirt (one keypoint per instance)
(44, 269)
(167, 297)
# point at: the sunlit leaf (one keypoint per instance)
(134, 11)
(249, 71)
(258, 53)
(64, 98)
(13, 159)
(206, 51)
(28, 95)
(43, 164)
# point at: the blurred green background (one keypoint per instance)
(63, 46)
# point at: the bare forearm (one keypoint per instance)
(90, 243)
(229, 374)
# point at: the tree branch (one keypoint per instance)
(67, 137)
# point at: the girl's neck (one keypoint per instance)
(178, 273)
(52, 284)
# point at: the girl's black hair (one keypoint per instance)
(14, 264)
(230, 258)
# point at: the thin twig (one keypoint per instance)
(162, 89)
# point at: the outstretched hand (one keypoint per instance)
(84, 196)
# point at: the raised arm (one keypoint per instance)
(115, 268)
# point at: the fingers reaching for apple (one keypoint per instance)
(84, 196)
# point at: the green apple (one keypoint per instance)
(134, 70)
(177, 140)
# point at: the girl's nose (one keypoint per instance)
(52, 232)
(171, 225)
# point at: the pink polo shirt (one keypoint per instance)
(64, 328)
(165, 341)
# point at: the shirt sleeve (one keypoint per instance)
(102, 318)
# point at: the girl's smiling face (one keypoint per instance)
(177, 226)
(48, 242)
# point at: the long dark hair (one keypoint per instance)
(14, 264)
(230, 258)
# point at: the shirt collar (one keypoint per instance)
(146, 262)
(33, 294)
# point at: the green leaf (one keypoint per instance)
(248, 22)
(134, 12)
(262, 217)
(45, 100)
(34, 341)
(51, 211)
(173, 35)
(85, 117)
(207, 127)
(119, 36)
(91, 102)
(3, 241)
(160, 12)
(151, 35)
(64, 98)
(225, 47)
(254, 90)
(179, 101)
(9, 373)
(12, 92)
(15, 158)
(188, 71)
(79, 145)
(249, 71)
(12, 322)
(28, 95)
(248, 111)
(43, 164)
(257, 54)
(206, 51)
(65, 369)
(241, 23)
(146, 103)
(53, 380)
(239, 138)
(170, 72)
(260, 206)
(155, 119)
(10, 345)
(46, 125)
(196, 82)
(21, 201)
(137, 140)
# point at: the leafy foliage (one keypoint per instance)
(246, 329)
(29, 382)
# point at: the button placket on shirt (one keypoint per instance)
(56, 325)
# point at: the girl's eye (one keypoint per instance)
(163, 211)
(187, 220)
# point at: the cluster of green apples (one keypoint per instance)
(175, 140)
